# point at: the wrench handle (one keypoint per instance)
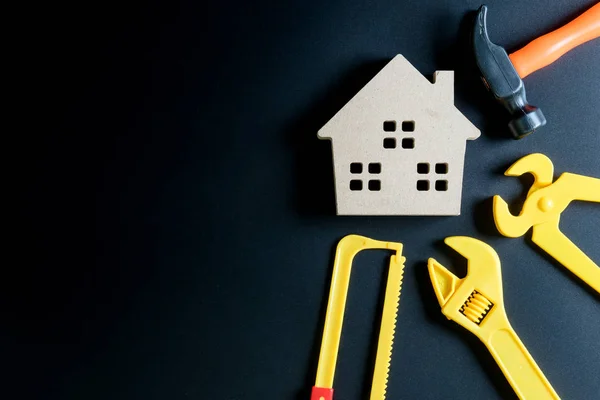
(519, 368)
(546, 49)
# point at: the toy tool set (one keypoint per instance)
(399, 148)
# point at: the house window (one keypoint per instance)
(441, 168)
(389, 126)
(375, 185)
(423, 185)
(408, 143)
(389, 143)
(374, 168)
(408, 126)
(441, 186)
(356, 168)
(423, 168)
(356, 184)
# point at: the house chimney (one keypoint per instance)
(444, 85)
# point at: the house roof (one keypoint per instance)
(400, 89)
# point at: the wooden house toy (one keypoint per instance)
(399, 145)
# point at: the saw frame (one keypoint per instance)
(346, 250)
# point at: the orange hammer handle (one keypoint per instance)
(546, 49)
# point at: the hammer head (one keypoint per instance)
(501, 78)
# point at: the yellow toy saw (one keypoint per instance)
(347, 248)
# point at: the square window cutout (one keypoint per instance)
(389, 143)
(441, 168)
(423, 168)
(355, 184)
(408, 143)
(441, 186)
(423, 185)
(375, 168)
(356, 168)
(408, 126)
(375, 185)
(389, 126)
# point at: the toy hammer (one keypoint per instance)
(503, 73)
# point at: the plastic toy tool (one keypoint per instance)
(347, 248)
(545, 202)
(476, 303)
(503, 74)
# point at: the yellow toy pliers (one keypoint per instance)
(476, 303)
(545, 202)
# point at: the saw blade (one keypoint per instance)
(388, 327)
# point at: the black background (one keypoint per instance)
(176, 225)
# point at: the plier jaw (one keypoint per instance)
(538, 165)
(542, 170)
(545, 202)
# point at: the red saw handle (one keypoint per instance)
(546, 49)
(319, 393)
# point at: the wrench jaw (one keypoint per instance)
(477, 299)
(444, 282)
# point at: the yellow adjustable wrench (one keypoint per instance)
(545, 202)
(347, 248)
(476, 303)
